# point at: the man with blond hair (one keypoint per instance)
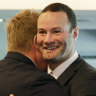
(19, 75)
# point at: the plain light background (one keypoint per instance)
(40, 4)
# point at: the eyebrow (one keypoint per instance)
(51, 29)
(57, 28)
(40, 29)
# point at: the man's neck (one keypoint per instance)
(53, 65)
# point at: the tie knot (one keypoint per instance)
(51, 73)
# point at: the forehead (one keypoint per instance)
(53, 17)
(52, 20)
(54, 14)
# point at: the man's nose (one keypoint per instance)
(49, 38)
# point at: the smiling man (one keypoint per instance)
(19, 75)
(54, 40)
(56, 37)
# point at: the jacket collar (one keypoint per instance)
(20, 57)
(70, 72)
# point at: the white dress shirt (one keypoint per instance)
(62, 67)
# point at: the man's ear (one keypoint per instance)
(76, 32)
(35, 41)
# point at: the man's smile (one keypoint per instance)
(50, 48)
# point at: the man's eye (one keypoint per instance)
(57, 31)
(41, 32)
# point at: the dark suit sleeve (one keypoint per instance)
(45, 86)
(87, 86)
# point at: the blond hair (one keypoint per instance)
(21, 30)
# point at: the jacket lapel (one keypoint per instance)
(66, 76)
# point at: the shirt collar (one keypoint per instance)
(62, 67)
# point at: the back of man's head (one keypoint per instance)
(21, 30)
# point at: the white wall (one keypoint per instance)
(40, 4)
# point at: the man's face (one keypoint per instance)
(54, 39)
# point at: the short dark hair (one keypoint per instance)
(55, 7)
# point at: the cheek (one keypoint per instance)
(63, 42)
(39, 39)
(61, 39)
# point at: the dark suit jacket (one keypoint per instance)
(19, 76)
(79, 79)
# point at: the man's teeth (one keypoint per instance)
(50, 48)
